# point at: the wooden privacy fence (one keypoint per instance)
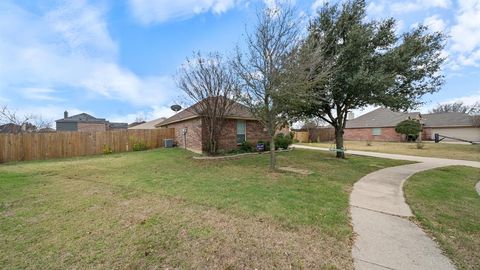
(38, 146)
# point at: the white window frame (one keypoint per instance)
(236, 129)
(375, 133)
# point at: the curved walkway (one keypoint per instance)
(385, 237)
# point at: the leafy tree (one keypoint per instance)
(348, 62)
(409, 128)
(259, 67)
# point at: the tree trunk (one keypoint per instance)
(273, 161)
(339, 142)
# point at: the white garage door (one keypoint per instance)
(469, 134)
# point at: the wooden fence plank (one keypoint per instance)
(17, 147)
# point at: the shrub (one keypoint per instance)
(410, 128)
(107, 150)
(138, 145)
(283, 141)
(246, 147)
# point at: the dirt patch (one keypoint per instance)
(209, 239)
(295, 170)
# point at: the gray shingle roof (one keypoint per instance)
(83, 117)
(238, 110)
(149, 124)
(383, 117)
(448, 119)
(380, 117)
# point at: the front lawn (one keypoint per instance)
(162, 209)
(430, 149)
(447, 205)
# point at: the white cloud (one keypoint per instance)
(466, 100)
(417, 5)
(376, 8)
(318, 4)
(154, 112)
(435, 23)
(40, 94)
(158, 11)
(69, 47)
(465, 33)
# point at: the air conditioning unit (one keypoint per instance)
(168, 143)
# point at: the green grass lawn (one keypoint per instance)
(161, 208)
(440, 150)
(447, 205)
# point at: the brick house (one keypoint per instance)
(190, 131)
(86, 122)
(379, 125)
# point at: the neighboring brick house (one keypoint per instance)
(86, 122)
(14, 128)
(241, 126)
(379, 125)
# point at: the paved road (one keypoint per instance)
(385, 237)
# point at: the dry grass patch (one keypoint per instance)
(439, 150)
(162, 209)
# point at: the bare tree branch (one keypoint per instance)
(210, 83)
(260, 67)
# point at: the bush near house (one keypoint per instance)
(410, 128)
(283, 141)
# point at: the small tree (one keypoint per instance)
(409, 128)
(348, 62)
(22, 123)
(210, 83)
(457, 107)
(260, 68)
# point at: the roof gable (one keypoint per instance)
(82, 117)
(238, 111)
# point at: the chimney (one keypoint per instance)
(350, 116)
(65, 114)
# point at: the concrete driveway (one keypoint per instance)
(385, 236)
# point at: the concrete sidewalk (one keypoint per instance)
(385, 237)
(447, 162)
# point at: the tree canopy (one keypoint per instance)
(348, 62)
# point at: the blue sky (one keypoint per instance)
(116, 59)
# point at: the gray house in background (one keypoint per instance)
(86, 122)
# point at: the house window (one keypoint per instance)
(376, 131)
(241, 131)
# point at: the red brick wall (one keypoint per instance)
(388, 134)
(228, 140)
(193, 136)
(427, 134)
(255, 132)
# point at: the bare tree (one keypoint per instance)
(259, 68)
(210, 83)
(457, 107)
(22, 123)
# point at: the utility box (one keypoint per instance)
(168, 143)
